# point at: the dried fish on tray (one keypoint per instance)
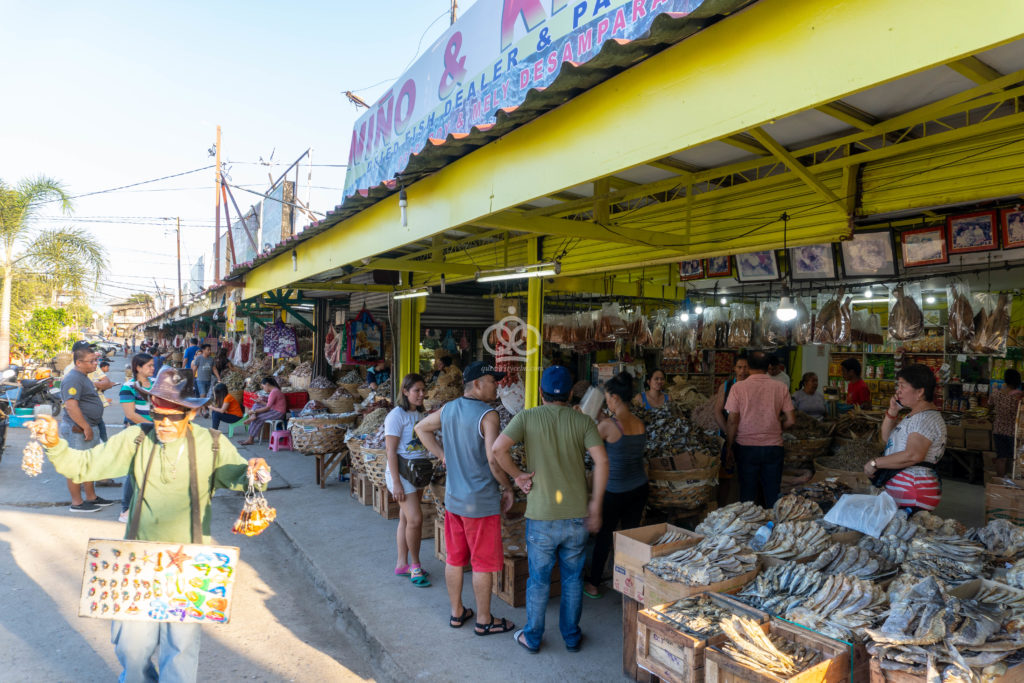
(825, 492)
(792, 508)
(892, 549)
(1015, 575)
(670, 536)
(713, 560)
(852, 560)
(1002, 539)
(737, 520)
(700, 615)
(749, 645)
(932, 633)
(952, 559)
(795, 540)
(937, 526)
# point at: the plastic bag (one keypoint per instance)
(906, 316)
(864, 513)
(610, 323)
(991, 323)
(592, 402)
(833, 323)
(772, 332)
(714, 328)
(741, 325)
(960, 314)
(803, 325)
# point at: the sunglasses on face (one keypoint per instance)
(173, 417)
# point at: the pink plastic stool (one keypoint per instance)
(281, 440)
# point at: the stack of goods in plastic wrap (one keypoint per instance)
(804, 441)
(836, 605)
(711, 561)
(683, 460)
(944, 634)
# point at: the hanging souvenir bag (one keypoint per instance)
(365, 339)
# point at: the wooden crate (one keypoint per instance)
(439, 551)
(360, 488)
(510, 582)
(630, 608)
(678, 657)
(429, 514)
(719, 667)
(384, 504)
(635, 547)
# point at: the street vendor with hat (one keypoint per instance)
(175, 465)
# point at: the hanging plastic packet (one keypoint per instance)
(32, 459)
(256, 514)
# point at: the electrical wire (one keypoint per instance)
(124, 187)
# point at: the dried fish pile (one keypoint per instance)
(1015, 575)
(713, 560)
(961, 316)
(806, 427)
(906, 321)
(901, 527)
(937, 526)
(670, 432)
(1001, 538)
(795, 540)
(850, 457)
(792, 508)
(351, 377)
(931, 633)
(699, 615)
(371, 423)
(320, 382)
(953, 559)
(738, 520)
(892, 549)
(825, 493)
(832, 603)
(858, 424)
(852, 560)
(376, 440)
(752, 647)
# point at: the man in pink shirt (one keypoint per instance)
(753, 434)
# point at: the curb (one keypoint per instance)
(346, 621)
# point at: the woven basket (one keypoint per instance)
(800, 454)
(682, 489)
(364, 392)
(355, 460)
(350, 388)
(318, 434)
(339, 405)
(320, 394)
(374, 462)
(300, 383)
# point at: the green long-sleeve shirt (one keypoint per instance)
(166, 511)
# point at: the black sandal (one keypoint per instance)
(502, 626)
(459, 622)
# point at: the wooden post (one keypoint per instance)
(179, 260)
(216, 240)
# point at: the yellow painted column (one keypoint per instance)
(534, 335)
(409, 337)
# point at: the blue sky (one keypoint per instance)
(101, 95)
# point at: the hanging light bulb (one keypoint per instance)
(868, 293)
(699, 309)
(785, 311)
(684, 316)
(929, 299)
(724, 301)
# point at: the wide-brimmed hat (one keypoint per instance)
(175, 386)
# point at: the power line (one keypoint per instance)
(142, 182)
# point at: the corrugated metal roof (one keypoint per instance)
(573, 79)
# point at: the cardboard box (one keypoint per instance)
(635, 547)
(977, 439)
(955, 436)
(977, 423)
(1003, 502)
(658, 590)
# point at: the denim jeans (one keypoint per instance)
(102, 429)
(759, 466)
(548, 542)
(177, 646)
(76, 440)
(127, 491)
(202, 387)
(226, 418)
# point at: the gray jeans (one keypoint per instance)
(77, 440)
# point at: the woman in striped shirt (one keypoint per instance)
(913, 444)
(136, 411)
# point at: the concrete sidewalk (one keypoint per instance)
(350, 554)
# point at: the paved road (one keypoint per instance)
(279, 630)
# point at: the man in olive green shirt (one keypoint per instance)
(162, 508)
(557, 513)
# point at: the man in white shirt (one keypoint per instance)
(777, 371)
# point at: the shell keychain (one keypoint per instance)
(32, 455)
(256, 514)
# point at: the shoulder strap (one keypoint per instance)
(215, 444)
(193, 489)
(133, 527)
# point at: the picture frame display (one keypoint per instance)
(972, 232)
(757, 266)
(924, 246)
(691, 270)
(718, 266)
(1012, 222)
(869, 253)
(813, 262)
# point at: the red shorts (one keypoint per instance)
(475, 541)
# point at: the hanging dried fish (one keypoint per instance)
(834, 322)
(906, 321)
(961, 315)
(990, 335)
(803, 326)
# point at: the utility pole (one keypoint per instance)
(179, 261)
(216, 241)
(455, 7)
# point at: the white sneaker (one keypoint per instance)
(123, 517)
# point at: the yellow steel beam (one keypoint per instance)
(420, 266)
(582, 229)
(783, 155)
(534, 337)
(616, 286)
(747, 143)
(848, 114)
(838, 48)
(974, 69)
(341, 287)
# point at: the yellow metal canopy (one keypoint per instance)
(819, 110)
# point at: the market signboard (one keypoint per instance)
(488, 60)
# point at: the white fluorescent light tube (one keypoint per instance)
(412, 294)
(547, 272)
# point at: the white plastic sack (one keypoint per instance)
(865, 513)
(592, 402)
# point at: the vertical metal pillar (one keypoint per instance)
(534, 334)
(409, 337)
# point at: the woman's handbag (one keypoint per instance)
(416, 471)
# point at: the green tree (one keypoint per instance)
(42, 334)
(67, 256)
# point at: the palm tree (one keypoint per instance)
(68, 256)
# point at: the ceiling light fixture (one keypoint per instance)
(520, 272)
(929, 299)
(723, 301)
(412, 293)
(699, 309)
(868, 293)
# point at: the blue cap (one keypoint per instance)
(556, 381)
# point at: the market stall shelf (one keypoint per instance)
(833, 665)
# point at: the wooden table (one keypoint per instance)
(325, 464)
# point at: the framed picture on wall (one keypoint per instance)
(691, 270)
(1013, 228)
(972, 232)
(718, 266)
(757, 266)
(924, 246)
(869, 253)
(813, 262)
